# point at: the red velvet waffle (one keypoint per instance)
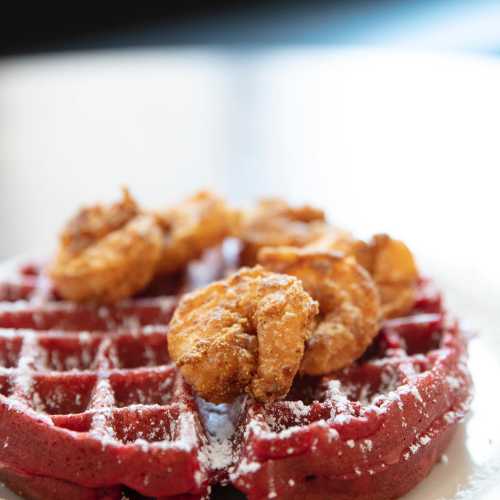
(91, 407)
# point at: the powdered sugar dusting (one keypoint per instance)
(132, 397)
(219, 425)
(24, 380)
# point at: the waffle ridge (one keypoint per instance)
(90, 403)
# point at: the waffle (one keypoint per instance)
(92, 408)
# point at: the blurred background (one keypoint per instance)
(385, 113)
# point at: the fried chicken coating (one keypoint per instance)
(275, 223)
(106, 253)
(349, 304)
(199, 222)
(243, 334)
(392, 266)
(94, 222)
(333, 238)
